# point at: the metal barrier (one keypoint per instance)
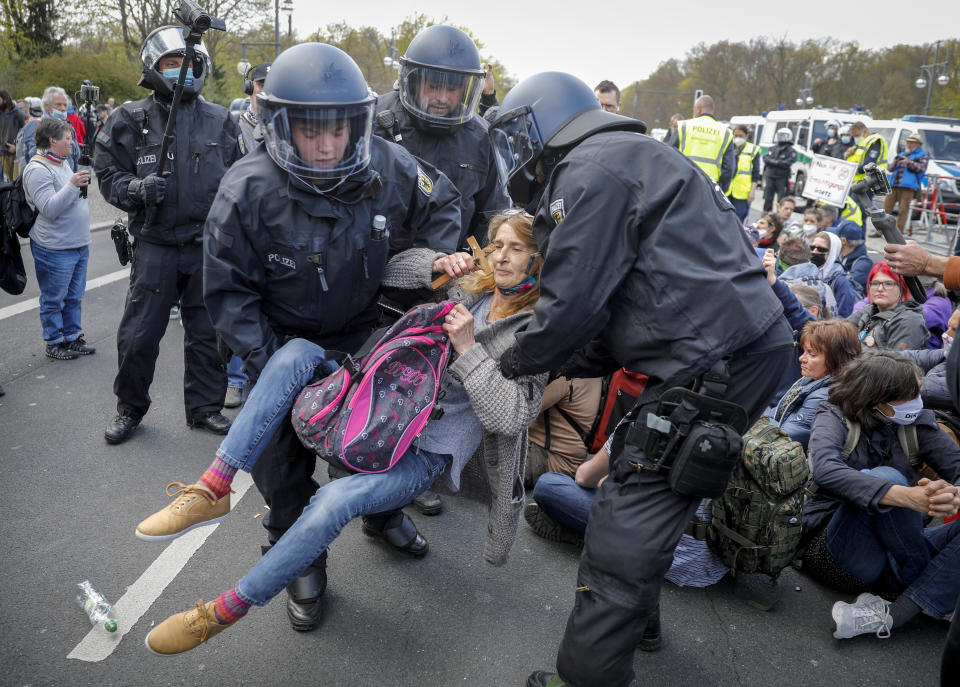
(936, 228)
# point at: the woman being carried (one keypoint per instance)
(481, 408)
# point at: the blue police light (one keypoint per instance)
(763, 113)
(779, 107)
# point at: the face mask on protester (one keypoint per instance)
(809, 229)
(905, 413)
(739, 141)
(818, 259)
(57, 114)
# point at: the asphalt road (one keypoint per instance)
(70, 504)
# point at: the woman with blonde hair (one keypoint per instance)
(481, 408)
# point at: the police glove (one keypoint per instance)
(149, 191)
(509, 361)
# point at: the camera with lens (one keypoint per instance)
(875, 181)
(197, 19)
(88, 92)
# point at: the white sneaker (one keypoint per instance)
(868, 614)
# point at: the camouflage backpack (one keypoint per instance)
(756, 523)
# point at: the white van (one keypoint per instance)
(807, 126)
(941, 139)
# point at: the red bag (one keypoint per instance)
(620, 396)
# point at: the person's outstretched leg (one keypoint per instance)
(208, 500)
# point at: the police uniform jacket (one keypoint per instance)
(778, 161)
(646, 252)
(464, 156)
(204, 146)
(282, 259)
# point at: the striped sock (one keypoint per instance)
(218, 477)
(229, 607)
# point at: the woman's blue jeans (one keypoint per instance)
(893, 550)
(62, 278)
(336, 503)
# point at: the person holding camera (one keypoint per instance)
(906, 178)
(653, 219)
(167, 214)
(296, 244)
(59, 239)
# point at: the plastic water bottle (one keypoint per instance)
(95, 605)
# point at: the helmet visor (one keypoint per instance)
(516, 141)
(168, 40)
(317, 142)
(438, 96)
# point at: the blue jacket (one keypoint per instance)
(858, 265)
(910, 175)
(796, 416)
(841, 481)
(843, 290)
(797, 316)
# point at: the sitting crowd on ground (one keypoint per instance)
(867, 402)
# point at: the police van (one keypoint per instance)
(806, 127)
(940, 138)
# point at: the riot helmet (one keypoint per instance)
(441, 78)
(783, 135)
(316, 113)
(539, 121)
(846, 134)
(169, 40)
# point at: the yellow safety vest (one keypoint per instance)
(743, 178)
(851, 211)
(704, 140)
(862, 147)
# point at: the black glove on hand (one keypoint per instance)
(508, 362)
(150, 190)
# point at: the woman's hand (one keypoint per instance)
(81, 178)
(458, 325)
(770, 265)
(943, 497)
(456, 265)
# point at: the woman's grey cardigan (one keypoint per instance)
(505, 407)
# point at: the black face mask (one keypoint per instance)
(818, 259)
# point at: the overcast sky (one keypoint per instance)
(625, 41)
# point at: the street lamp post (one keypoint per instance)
(288, 10)
(805, 96)
(276, 28)
(936, 70)
(390, 59)
(244, 64)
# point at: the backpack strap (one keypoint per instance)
(907, 434)
(853, 438)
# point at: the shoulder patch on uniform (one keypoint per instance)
(423, 182)
(103, 138)
(243, 147)
(556, 210)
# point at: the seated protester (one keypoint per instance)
(937, 310)
(562, 509)
(786, 208)
(811, 222)
(892, 320)
(933, 388)
(481, 409)
(828, 217)
(792, 251)
(824, 253)
(769, 228)
(827, 347)
(853, 255)
(866, 521)
(808, 274)
(567, 413)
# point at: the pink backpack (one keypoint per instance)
(365, 415)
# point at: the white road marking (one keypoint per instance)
(31, 303)
(98, 645)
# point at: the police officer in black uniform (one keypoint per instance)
(670, 287)
(168, 255)
(433, 114)
(295, 247)
(250, 136)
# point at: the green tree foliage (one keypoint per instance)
(763, 74)
(30, 28)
